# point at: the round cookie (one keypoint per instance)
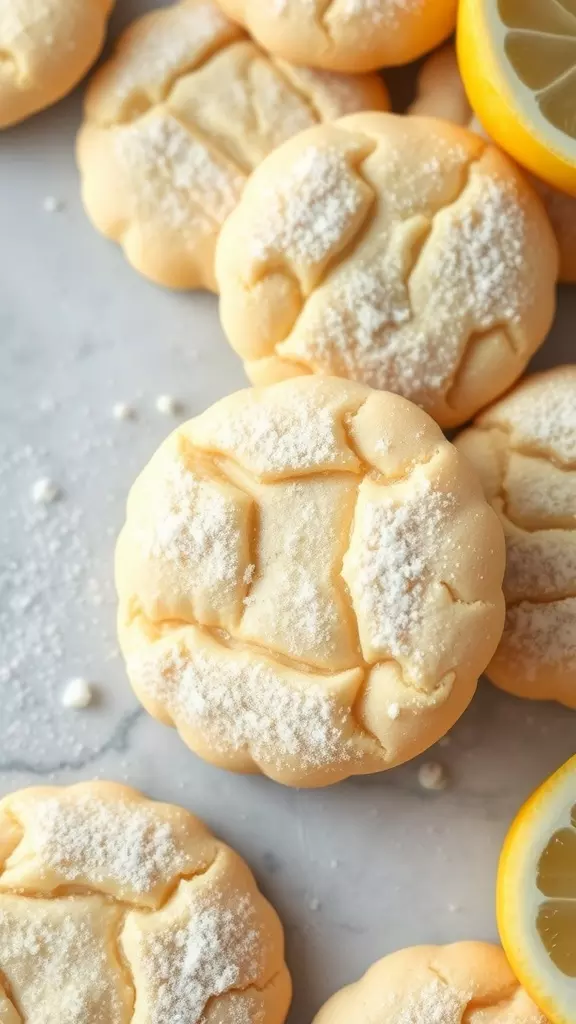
(347, 35)
(467, 981)
(441, 94)
(309, 582)
(176, 121)
(401, 252)
(116, 908)
(524, 449)
(46, 47)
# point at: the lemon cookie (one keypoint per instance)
(468, 981)
(524, 449)
(309, 582)
(400, 252)
(118, 909)
(175, 122)
(347, 35)
(46, 47)
(441, 94)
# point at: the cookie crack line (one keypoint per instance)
(542, 455)
(117, 743)
(298, 91)
(363, 229)
(561, 526)
(569, 596)
(243, 990)
(478, 1003)
(200, 135)
(6, 991)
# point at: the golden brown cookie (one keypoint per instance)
(467, 981)
(346, 35)
(309, 582)
(401, 252)
(524, 449)
(176, 121)
(46, 47)
(117, 909)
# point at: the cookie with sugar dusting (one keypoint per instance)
(309, 581)
(467, 981)
(175, 122)
(46, 47)
(441, 93)
(524, 449)
(347, 35)
(116, 908)
(401, 252)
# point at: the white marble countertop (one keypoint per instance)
(355, 871)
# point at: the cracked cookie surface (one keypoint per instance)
(298, 560)
(347, 35)
(524, 449)
(465, 983)
(117, 909)
(403, 253)
(46, 47)
(175, 122)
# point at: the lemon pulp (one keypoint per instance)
(556, 880)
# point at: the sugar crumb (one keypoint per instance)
(44, 491)
(432, 776)
(77, 694)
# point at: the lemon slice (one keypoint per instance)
(536, 896)
(518, 63)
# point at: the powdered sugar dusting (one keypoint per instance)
(90, 839)
(389, 564)
(543, 636)
(307, 214)
(219, 948)
(175, 178)
(435, 1003)
(56, 959)
(541, 414)
(239, 701)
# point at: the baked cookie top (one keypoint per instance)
(469, 981)
(401, 252)
(176, 120)
(117, 909)
(309, 581)
(46, 47)
(524, 449)
(347, 35)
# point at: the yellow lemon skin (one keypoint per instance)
(498, 106)
(511, 889)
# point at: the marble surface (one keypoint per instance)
(355, 871)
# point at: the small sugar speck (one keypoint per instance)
(123, 411)
(314, 904)
(52, 205)
(77, 694)
(44, 491)
(432, 776)
(393, 711)
(168, 405)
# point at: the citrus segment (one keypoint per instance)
(536, 896)
(518, 63)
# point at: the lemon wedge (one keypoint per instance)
(536, 896)
(518, 63)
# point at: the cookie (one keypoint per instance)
(401, 252)
(176, 121)
(524, 449)
(309, 582)
(116, 908)
(467, 981)
(441, 94)
(346, 35)
(46, 47)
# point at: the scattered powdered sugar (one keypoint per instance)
(389, 566)
(56, 960)
(123, 411)
(175, 178)
(174, 44)
(309, 211)
(168, 405)
(45, 491)
(543, 636)
(540, 565)
(238, 700)
(103, 841)
(393, 711)
(435, 1003)
(51, 204)
(380, 12)
(541, 414)
(197, 528)
(218, 949)
(276, 432)
(21, 19)
(77, 694)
